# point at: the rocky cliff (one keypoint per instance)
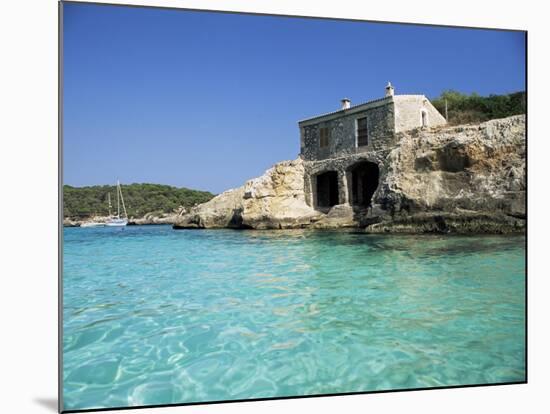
(465, 179)
(274, 200)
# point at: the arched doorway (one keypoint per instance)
(327, 189)
(364, 178)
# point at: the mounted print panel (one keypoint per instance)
(381, 246)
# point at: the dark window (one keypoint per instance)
(324, 137)
(362, 132)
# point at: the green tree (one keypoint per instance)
(463, 108)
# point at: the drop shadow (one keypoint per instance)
(49, 403)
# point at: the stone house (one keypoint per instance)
(344, 150)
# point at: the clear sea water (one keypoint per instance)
(158, 316)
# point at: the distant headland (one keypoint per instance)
(146, 203)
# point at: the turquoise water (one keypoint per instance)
(157, 316)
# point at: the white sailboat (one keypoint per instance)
(117, 221)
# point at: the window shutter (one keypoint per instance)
(324, 137)
(362, 132)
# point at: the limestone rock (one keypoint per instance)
(338, 216)
(150, 218)
(274, 200)
(67, 222)
(277, 199)
(473, 167)
(224, 210)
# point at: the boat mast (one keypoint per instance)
(117, 199)
(122, 199)
(110, 207)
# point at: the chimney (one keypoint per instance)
(346, 103)
(389, 89)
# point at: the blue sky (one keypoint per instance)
(209, 100)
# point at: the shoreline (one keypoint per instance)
(351, 230)
(143, 221)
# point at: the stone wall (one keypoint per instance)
(408, 112)
(342, 165)
(342, 136)
(385, 118)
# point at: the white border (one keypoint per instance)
(28, 170)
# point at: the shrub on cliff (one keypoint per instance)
(464, 109)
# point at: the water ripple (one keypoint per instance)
(155, 316)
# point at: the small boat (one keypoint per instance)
(117, 221)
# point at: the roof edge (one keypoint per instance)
(353, 109)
